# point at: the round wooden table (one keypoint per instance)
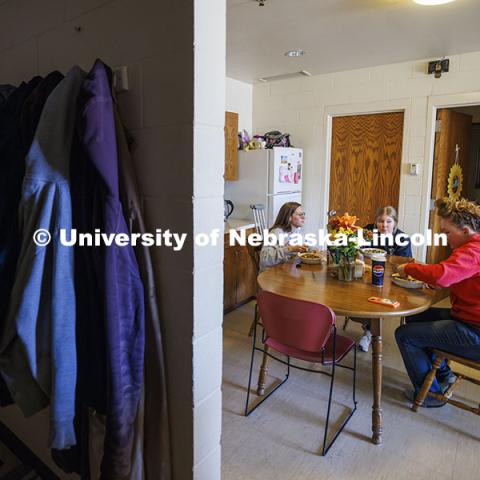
(314, 283)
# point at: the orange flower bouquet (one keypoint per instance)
(343, 231)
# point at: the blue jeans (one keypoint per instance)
(434, 329)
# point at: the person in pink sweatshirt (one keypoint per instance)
(455, 330)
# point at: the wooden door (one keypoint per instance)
(365, 164)
(453, 128)
(231, 146)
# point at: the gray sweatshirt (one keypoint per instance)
(38, 354)
(275, 254)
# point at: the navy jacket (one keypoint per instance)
(396, 249)
(114, 272)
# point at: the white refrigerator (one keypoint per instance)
(270, 177)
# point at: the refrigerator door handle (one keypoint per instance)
(290, 192)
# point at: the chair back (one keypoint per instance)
(295, 323)
(258, 211)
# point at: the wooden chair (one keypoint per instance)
(305, 331)
(258, 212)
(440, 355)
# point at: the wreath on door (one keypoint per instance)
(455, 179)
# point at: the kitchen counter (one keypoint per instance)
(237, 224)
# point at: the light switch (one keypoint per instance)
(415, 169)
(120, 79)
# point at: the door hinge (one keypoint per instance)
(432, 204)
(438, 126)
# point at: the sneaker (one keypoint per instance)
(445, 384)
(429, 402)
(365, 341)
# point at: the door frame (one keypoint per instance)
(400, 105)
(436, 102)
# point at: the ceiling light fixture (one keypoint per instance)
(295, 53)
(432, 2)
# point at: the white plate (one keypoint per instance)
(368, 252)
(401, 282)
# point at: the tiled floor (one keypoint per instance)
(281, 440)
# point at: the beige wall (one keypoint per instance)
(302, 106)
(155, 41)
(239, 98)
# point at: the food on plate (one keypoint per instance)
(409, 277)
(311, 256)
(373, 251)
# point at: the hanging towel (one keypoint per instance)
(38, 356)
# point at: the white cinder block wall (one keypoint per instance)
(301, 106)
(239, 98)
(209, 162)
(168, 63)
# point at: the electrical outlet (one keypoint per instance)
(120, 79)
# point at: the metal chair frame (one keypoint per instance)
(258, 211)
(326, 446)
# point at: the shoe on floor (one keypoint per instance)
(445, 384)
(365, 341)
(429, 402)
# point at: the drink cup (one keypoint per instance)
(378, 270)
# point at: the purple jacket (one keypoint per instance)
(116, 285)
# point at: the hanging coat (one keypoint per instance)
(156, 423)
(117, 273)
(38, 353)
(12, 171)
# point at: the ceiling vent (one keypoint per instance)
(285, 76)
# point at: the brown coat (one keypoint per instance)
(156, 436)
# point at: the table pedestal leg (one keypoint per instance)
(377, 421)
(263, 373)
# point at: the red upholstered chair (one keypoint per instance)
(304, 331)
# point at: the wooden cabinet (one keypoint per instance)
(231, 146)
(239, 275)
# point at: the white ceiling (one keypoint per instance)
(343, 34)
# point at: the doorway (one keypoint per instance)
(457, 141)
(365, 163)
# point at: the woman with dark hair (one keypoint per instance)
(289, 221)
(455, 330)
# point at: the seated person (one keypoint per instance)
(386, 220)
(290, 220)
(457, 330)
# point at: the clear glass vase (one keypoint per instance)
(346, 268)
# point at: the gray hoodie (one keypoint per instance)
(38, 354)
